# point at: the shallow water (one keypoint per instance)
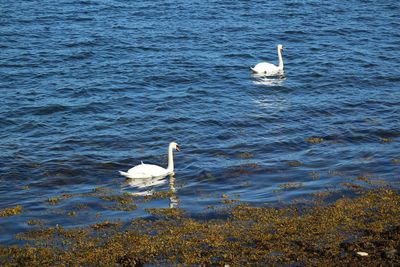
(93, 87)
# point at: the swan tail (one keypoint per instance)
(253, 70)
(124, 173)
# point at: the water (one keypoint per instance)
(93, 87)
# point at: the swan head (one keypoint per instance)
(175, 146)
(280, 47)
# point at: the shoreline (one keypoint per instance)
(362, 230)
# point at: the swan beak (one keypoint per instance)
(178, 148)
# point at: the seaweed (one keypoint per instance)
(363, 230)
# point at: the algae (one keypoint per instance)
(291, 185)
(294, 163)
(314, 140)
(316, 235)
(53, 200)
(245, 155)
(11, 211)
(395, 161)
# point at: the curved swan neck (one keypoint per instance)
(280, 59)
(170, 167)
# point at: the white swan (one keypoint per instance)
(268, 69)
(150, 170)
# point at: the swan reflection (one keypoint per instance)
(173, 199)
(146, 187)
(145, 183)
(268, 81)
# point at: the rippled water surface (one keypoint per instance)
(89, 88)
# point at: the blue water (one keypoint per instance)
(89, 88)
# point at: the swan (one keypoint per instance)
(269, 69)
(150, 170)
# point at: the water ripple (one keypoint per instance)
(93, 87)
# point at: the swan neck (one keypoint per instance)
(280, 59)
(170, 167)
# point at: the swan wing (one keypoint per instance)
(265, 68)
(145, 171)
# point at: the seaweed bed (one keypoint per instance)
(324, 233)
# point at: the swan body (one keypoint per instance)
(150, 170)
(268, 69)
